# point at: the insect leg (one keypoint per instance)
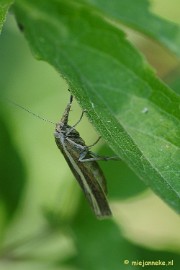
(95, 157)
(79, 146)
(89, 146)
(85, 150)
(77, 122)
(79, 119)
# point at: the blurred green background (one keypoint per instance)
(45, 222)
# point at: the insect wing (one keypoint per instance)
(86, 173)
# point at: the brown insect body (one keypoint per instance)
(88, 174)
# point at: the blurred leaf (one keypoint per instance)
(44, 248)
(4, 6)
(100, 245)
(9, 57)
(29, 265)
(12, 175)
(176, 85)
(158, 256)
(173, 79)
(136, 14)
(134, 111)
(12, 171)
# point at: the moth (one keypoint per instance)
(83, 164)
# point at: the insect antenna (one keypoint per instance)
(30, 112)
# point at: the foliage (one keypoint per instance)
(132, 110)
(135, 112)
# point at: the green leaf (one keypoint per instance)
(101, 245)
(135, 112)
(12, 175)
(136, 15)
(173, 80)
(4, 6)
(124, 183)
